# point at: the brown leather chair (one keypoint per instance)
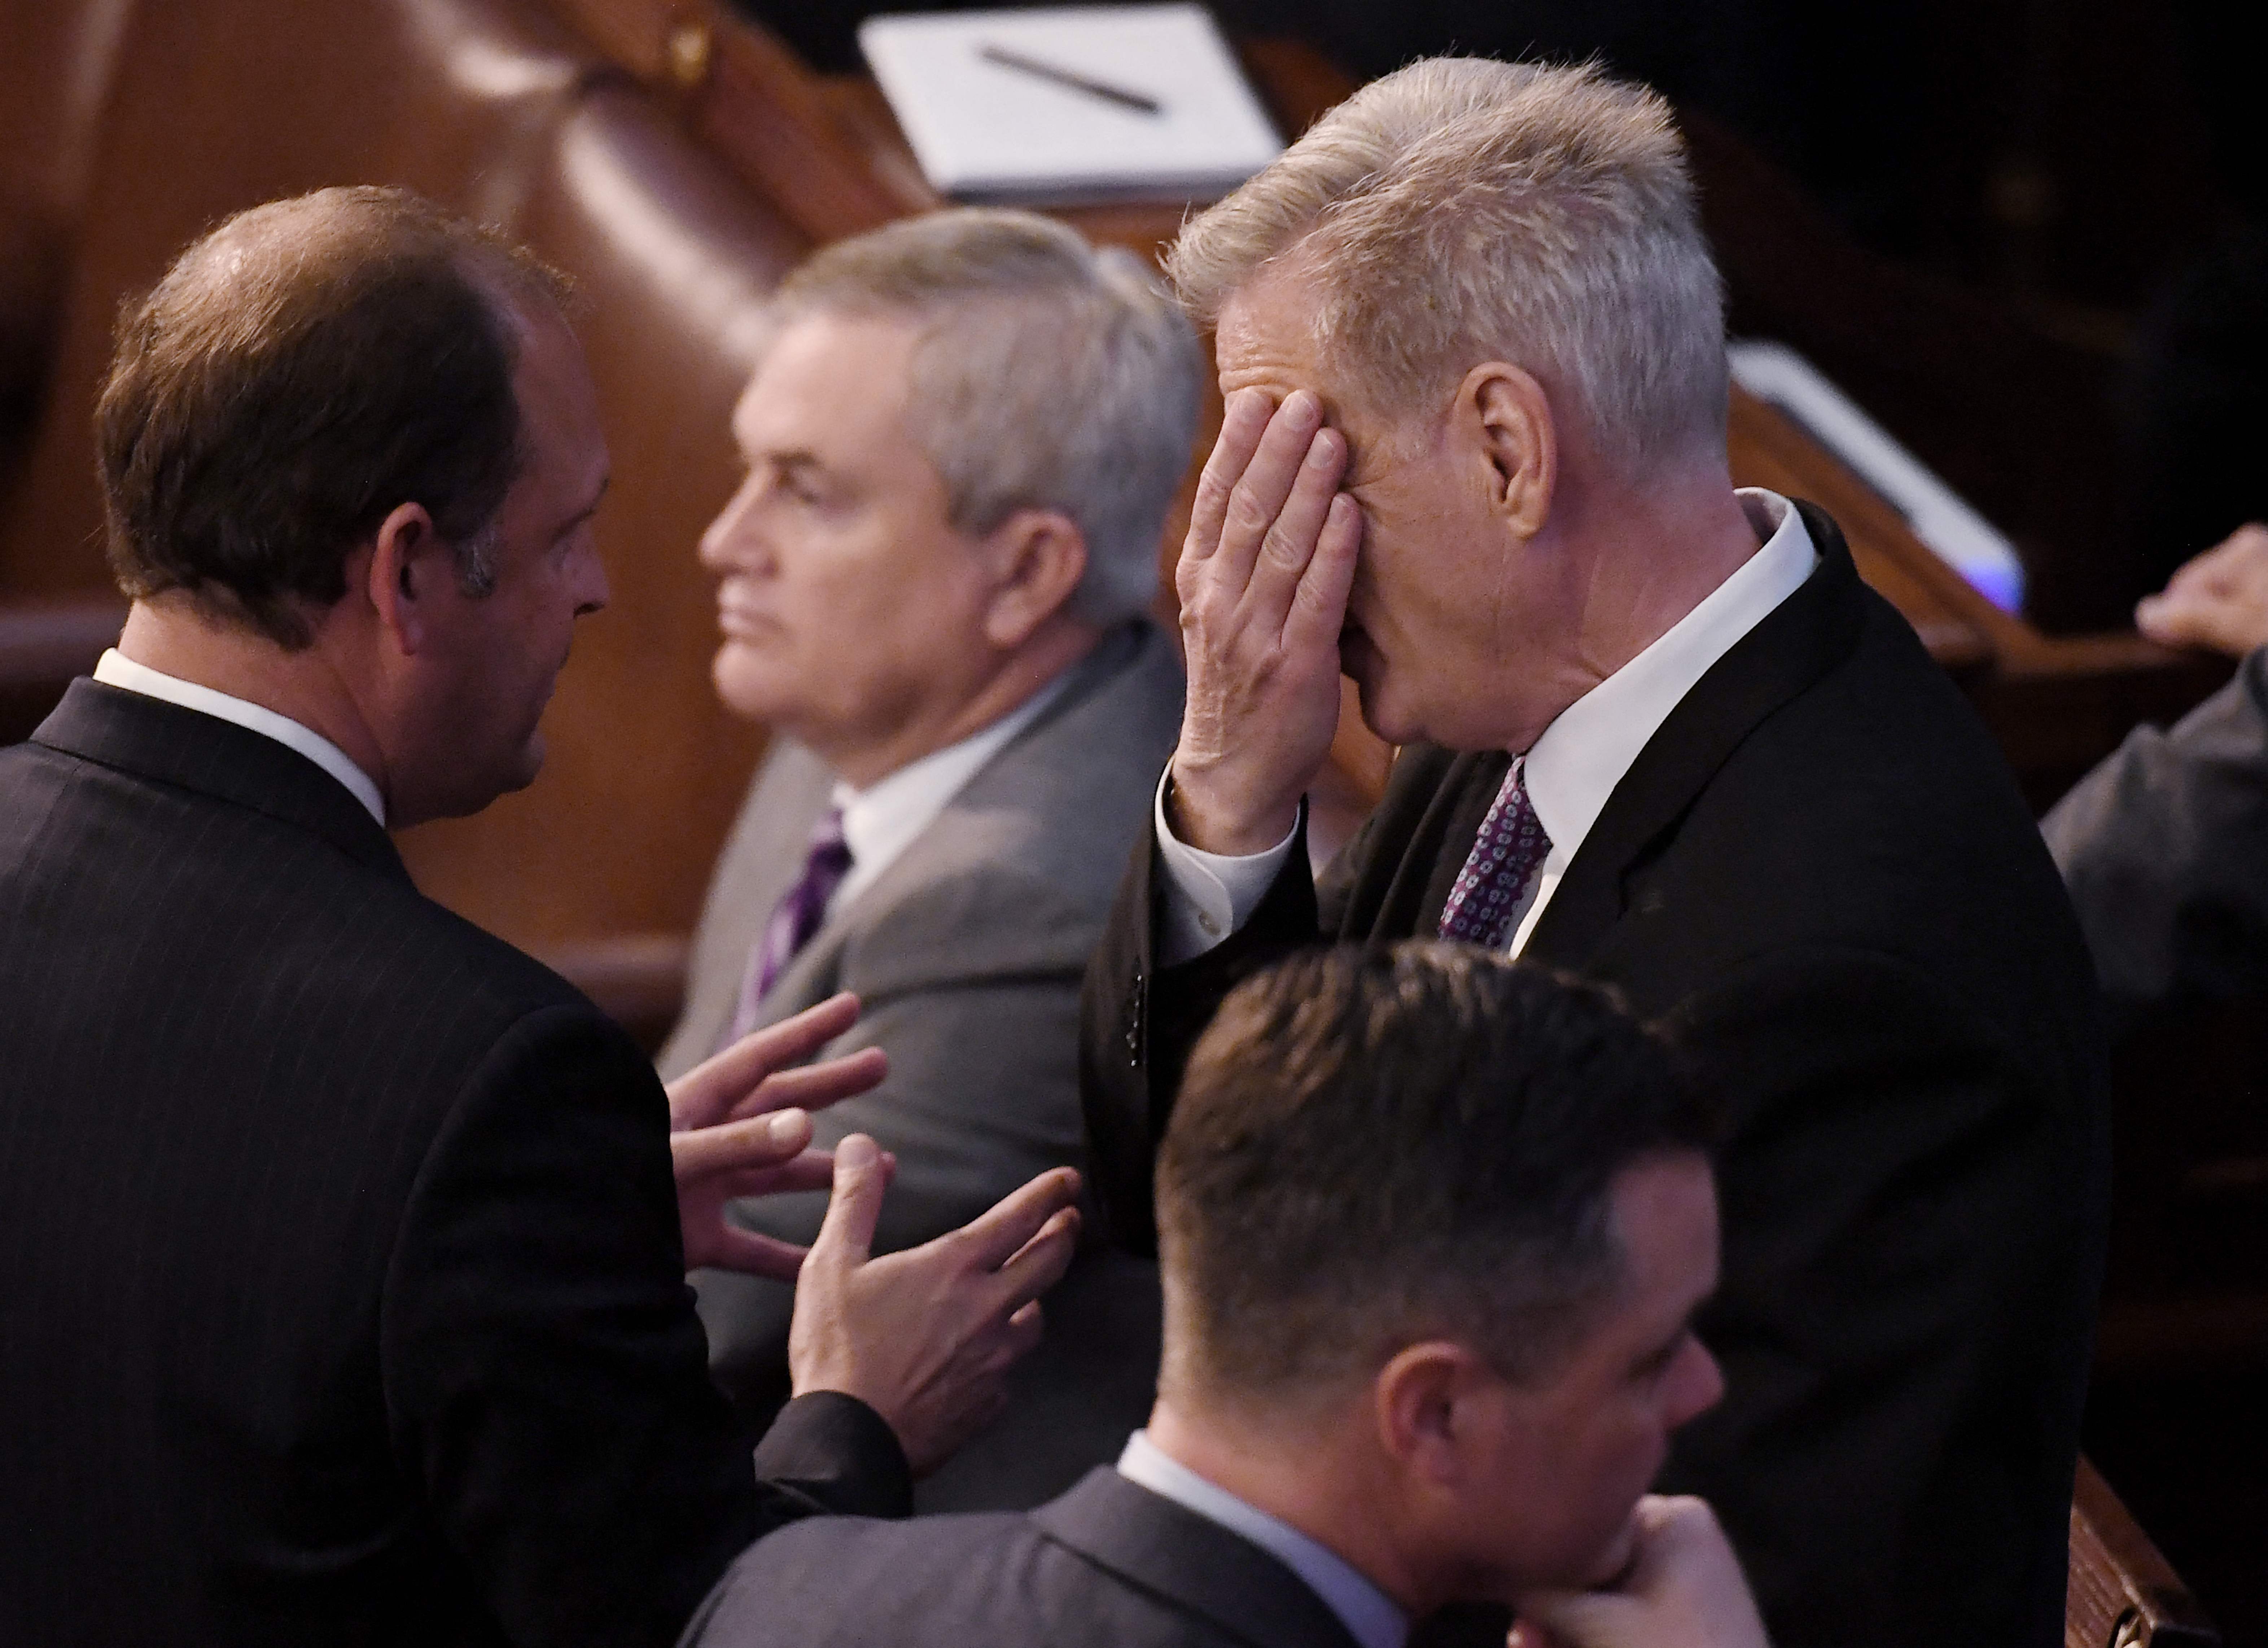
(216, 105)
(44, 644)
(673, 257)
(495, 108)
(56, 59)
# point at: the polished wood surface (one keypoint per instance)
(2123, 1593)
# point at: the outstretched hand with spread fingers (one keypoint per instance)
(926, 1337)
(740, 1126)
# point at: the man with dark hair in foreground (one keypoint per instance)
(1432, 1229)
(342, 1297)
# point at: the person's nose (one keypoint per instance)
(1697, 1383)
(730, 545)
(592, 590)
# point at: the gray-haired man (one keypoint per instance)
(1654, 731)
(961, 445)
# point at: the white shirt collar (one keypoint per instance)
(880, 821)
(1372, 1617)
(116, 669)
(1582, 755)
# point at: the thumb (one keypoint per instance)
(846, 1236)
(1582, 1619)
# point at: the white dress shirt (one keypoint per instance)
(1571, 768)
(1372, 1618)
(116, 669)
(880, 821)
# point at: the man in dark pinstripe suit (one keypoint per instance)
(342, 1270)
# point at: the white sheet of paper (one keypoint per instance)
(982, 131)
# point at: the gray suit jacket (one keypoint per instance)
(1107, 1563)
(968, 952)
(2164, 847)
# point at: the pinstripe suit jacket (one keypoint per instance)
(342, 1297)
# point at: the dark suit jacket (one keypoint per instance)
(1820, 873)
(966, 954)
(2164, 847)
(1109, 1563)
(342, 1295)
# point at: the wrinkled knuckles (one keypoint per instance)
(1248, 518)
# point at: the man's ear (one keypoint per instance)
(1510, 416)
(1435, 1406)
(408, 563)
(1035, 559)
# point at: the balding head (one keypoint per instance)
(300, 372)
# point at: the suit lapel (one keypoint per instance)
(1443, 797)
(956, 834)
(1798, 642)
(1170, 1551)
(190, 750)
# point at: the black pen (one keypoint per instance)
(1077, 82)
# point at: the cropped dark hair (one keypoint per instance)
(299, 373)
(1380, 1145)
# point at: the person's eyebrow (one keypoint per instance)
(1658, 1358)
(588, 510)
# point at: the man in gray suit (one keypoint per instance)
(1434, 1225)
(962, 442)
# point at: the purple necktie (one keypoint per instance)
(1511, 844)
(794, 919)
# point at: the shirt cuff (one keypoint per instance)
(1208, 895)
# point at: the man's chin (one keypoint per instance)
(1614, 1558)
(747, 681)
(531, 763)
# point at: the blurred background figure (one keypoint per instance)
(934, 582)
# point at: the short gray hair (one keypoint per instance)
(1050, 375)
(1461, 209)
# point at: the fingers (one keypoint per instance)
(1573, 1619)
(1025, 1329)
(1244, 419)
(1039, 1263)
(752, 1253)
(791, 1040)
(1288, 547)
(2218, 599)
(816, 1087)
(994, 1235)
(846, 1236)
(814, 1170)
(718, 1085)
(762, 1142)
(1266, 486)
(2218, 567)
(2198, 616)
(1318, 613)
